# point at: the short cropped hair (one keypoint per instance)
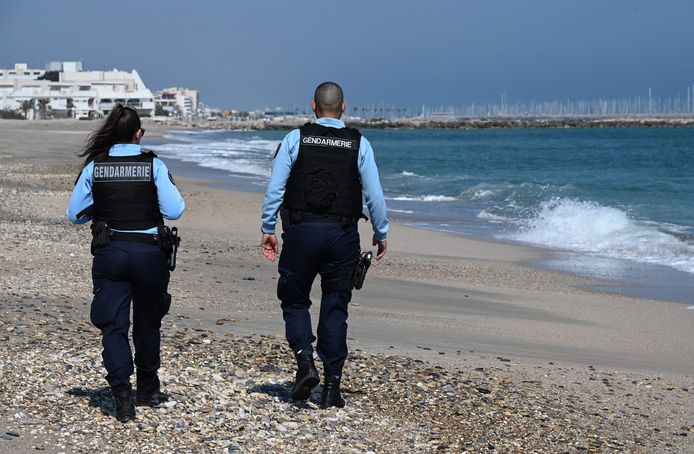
(328, 97)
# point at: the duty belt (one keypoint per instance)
(291, 217)
(135, 237)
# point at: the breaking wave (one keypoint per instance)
(586, 226)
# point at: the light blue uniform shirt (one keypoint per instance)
(171, 204)
(282, 166)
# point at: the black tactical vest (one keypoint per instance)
(124, 192)
(325, 177)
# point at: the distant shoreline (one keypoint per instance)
(287, 123)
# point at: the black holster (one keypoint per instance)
(349, 278)
(360, 269)
(101, 235)
(168, 242)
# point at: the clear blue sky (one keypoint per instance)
(247, 54)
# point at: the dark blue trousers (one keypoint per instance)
(122, 272)
(309, 249)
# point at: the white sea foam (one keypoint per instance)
(589, 227)
(405, 173)
(424, 198)
(189, 136)
(480, 192)
(400, 211)
(491, 217)
(244, 156)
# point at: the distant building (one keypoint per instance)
(178, 101)
(67, 66)
(21, 72)
(77, 93)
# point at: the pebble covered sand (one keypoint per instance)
(223, 391)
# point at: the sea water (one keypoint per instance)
(608, 196)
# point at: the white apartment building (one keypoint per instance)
(77, 93)
(178, 101)
(21, 72)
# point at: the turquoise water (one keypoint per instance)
(647, 172)
(623, 194)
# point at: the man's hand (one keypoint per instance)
(382, 248)
(268, 244)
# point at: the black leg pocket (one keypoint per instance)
(166, 304)
(99, 313)
(282, 285)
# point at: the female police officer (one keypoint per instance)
(126, 193)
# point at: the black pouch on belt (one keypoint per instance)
(101, 235)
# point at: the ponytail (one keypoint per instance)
(120, 127)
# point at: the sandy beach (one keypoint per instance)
(456, 344)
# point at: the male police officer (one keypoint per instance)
(318, 176)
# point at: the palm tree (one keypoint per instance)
(43, 106)
(70, 104)
(26, 106)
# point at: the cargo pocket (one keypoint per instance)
(166, 304)
(282, 285)
(98, 313)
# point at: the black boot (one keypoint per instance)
(125, 405)
(147, 387)
(331, 393)
(306, 375)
